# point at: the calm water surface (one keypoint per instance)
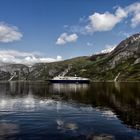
(99, 111)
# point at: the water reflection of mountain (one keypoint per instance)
(122, 98)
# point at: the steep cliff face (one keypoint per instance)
(14, 71)
(122, 64)
(129, 48)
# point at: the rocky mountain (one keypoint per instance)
(14, 71)
(122, 64)
(129, 48)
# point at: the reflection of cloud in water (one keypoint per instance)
(29, 101)
(59, 106)
(8, 129)
(100, 137)
(69, 87)
(108, 114)
(47, 102)
(62, 125)
(6, 103)
(32, 103)
(9, 104)
(3, 103)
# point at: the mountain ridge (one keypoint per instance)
(121, 64)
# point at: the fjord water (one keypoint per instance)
(33, 110)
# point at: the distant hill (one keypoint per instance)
(122, 64)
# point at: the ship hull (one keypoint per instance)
(70, 81)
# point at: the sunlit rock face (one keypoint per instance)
(137, 61)
(129, 48)
(8, 70)
(130, 44)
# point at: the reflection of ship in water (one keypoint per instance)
(61, 78)
(69, 87)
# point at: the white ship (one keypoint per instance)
(61, 78)
(69, 79)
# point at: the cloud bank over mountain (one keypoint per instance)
(17, 57)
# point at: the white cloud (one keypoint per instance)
(9, 33)
(17, 57)
(59, 58)
(134, 11)
(106, 21)
(65, 38)
(89, 44)
(78, 29)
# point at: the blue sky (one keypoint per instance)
(64, 28)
